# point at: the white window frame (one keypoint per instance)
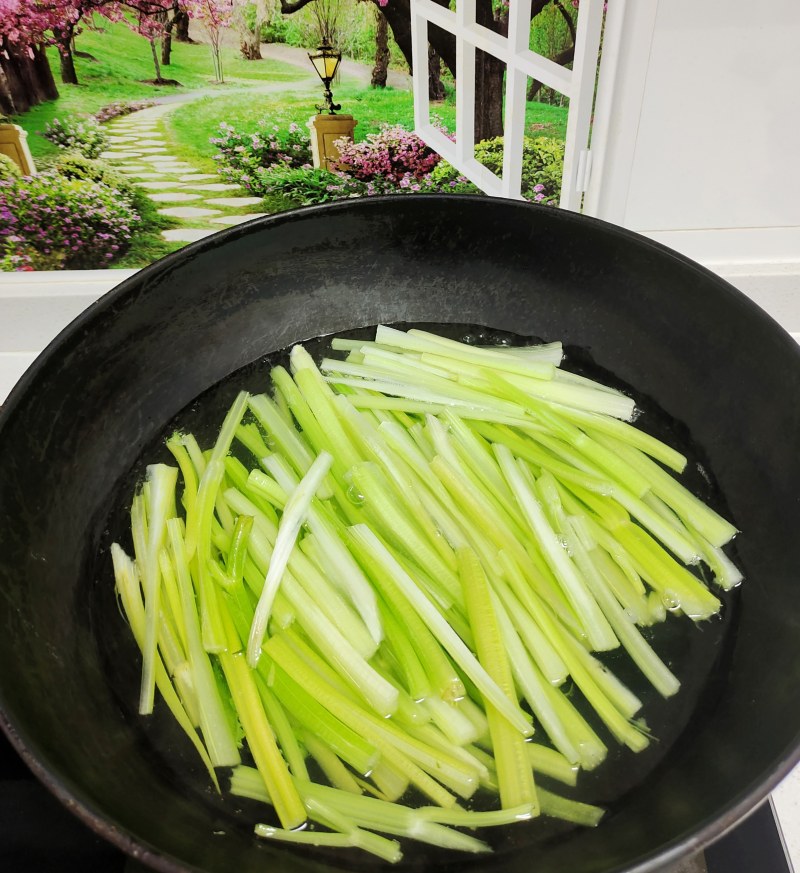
(576, 84)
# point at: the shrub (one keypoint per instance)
(85, 137)
(75, 166)
(241, 155)
(388, 157)
(48, 221)
(542, 167)
(302, 186)
(115, 110)
(9, 168)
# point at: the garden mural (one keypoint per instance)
(153, 123)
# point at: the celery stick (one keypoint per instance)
(162, 480)
(129, 590)
(380, 505)
(171, 603)
(293, 517)
(214, 724)
(633, 602)
(313, 716)
(261, 740)
(397, 472)
(479, 507)
(453, 724)
(451, 642)
(198, 540)
(402, 648)
(319, 397)
(283, 729)
(692, 510)
(336, 773)
(662, 679)
(391, 818)
(409, 755)
(674, 583)
(422, 341)
(285, 439)
(336, 607)
(251, 437)
(392, 784)
(592, 620)
(555, 806)
(178, 450)
(626, 433)
(343, 570)
(539, 647)
(551, 763)
(566, 728)
(514, 775)
(484, 819)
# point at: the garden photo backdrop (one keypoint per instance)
(227, 87)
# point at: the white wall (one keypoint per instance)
(697, 128)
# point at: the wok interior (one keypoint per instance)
(77, 425)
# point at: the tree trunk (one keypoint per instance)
(65, 57)
(435, 86)
(380, 71)
(157, 65)
(44, 75)
(13, 99)
(166, 45)
(562, 58)
(250, 47)
(489, 76)
(182, 26)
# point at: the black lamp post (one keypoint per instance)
(326, 62)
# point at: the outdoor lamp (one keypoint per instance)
(326, 62)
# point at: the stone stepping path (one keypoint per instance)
(139, 148)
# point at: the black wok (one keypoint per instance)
(73, 432)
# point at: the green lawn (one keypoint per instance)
(193, 123)
(123, 63)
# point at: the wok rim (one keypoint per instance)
(691, 842)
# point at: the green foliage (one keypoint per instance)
(48, 221)
(84, 136)
(299, 186)
(9, 168)
(542, 167)
(74, 165)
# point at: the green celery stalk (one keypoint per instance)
(556, 806)
(129, 590)
(214, 723)
(552, 763)
(514, 774)
(594, 624)
(293, 517)
(162, 480)
(442, 630)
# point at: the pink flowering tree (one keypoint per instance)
(57, 22)
(215, 16)
(25, 76)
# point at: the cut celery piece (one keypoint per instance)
(293, 518)
(448, 638)
(594, 623)
(214, 723)
(162, 480)
(514, 774)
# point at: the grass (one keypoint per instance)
(122, 66)
(192, 125)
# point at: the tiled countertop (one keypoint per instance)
(34, 307)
